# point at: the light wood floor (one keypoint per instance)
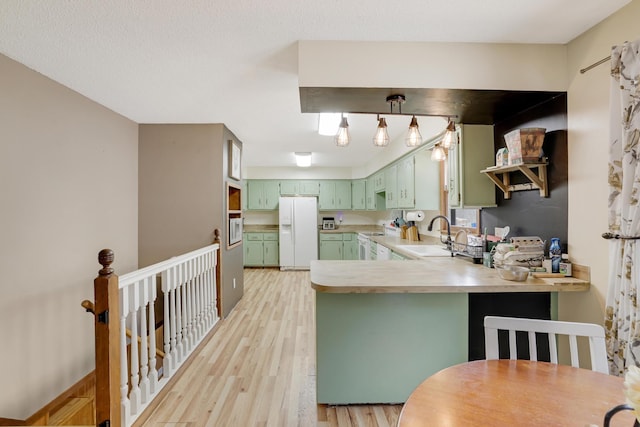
(258, 369)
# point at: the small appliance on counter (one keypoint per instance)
(328, 223)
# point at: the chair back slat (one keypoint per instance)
(552, 328)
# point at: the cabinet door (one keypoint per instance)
(371, 195)
(390, 186)
(271, 195)
(406, 183)
(270, 253)
(350, 249)
(331, 249)
(358, 194)
(327, 197)
(473, 152)
(309, 188)
(378, 181)
(343, 194)
(253, 253)
(289, 188)
(255, 194)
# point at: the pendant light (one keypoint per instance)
(343, 138)
(449, 135)
(381, 138)
(438, 154)
(413, 137)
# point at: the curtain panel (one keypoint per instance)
(622, 313)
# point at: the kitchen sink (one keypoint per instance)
(425, 250)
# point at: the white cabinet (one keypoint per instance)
(472, 153)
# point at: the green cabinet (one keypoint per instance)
(395, 256)
(331, 246)
(378, 182)
(472, 153)
(338, 246)
(334, 195)
(391, 186)
(261, 249)
(263, 194)
(405, 183)
(299, 188)
(359, 194)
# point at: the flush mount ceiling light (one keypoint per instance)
(343, 138)
(303, 160)
(381, 138)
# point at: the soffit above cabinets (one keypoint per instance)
(471, 106)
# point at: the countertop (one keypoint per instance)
(427, 275)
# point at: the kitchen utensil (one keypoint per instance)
(412, 233)
(513, 272)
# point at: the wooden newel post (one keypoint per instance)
(107, 325)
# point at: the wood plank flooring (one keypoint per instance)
(258, 369)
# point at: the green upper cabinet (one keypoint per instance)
(472, 153)
(405, 183)
(371, 195)
(359, 194)
(299, 188)
(334, 195)
(378, 182)
(427, 181)
(263, 194)
(391, 186)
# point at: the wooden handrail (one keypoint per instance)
(88, 305)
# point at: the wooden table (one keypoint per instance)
(506, 393)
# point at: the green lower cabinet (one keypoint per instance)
(338, 246)
(395, 256)
(330, 249)
(350, 246)
(261, 250)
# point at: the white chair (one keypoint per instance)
(594, 332)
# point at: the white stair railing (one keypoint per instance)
(189, 299)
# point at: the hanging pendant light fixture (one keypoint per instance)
(413, 137)
(449, 135)
(381, 138)
(343, 138)
(438, 154)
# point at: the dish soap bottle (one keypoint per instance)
(555, 253)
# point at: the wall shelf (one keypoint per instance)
(500, 175)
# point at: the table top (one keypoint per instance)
(506, 393)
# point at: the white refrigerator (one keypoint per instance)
(298, 224)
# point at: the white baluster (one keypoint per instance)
(189, 289)
(144, 342)
(172, 314)
(180, 349)
(207, 289)
(202, 304)
(167, 363)
(153, 373)
(125, 406)
(134, 394)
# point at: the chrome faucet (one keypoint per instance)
(448, 241)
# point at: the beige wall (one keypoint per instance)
(588, 120)
(68, 188)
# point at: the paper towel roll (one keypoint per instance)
(414, 216)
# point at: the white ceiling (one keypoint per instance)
(235, 61)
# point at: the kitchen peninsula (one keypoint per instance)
(384, 326)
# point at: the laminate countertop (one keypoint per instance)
(428, 275)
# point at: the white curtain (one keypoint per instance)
(622, 314)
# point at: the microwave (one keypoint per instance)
(235, 230)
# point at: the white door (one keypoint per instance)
(286, 243)
(305, 231)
